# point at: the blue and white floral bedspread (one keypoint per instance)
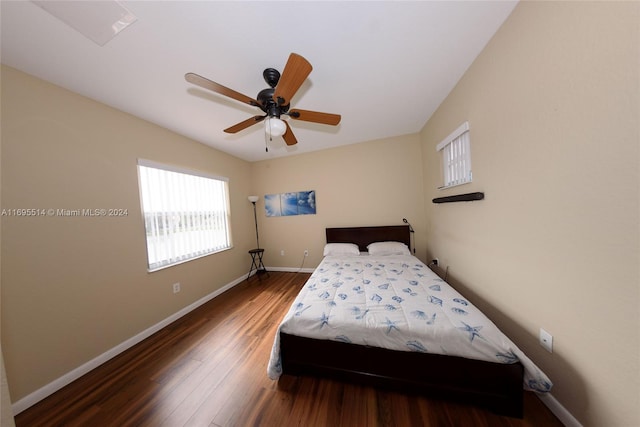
(396, 302)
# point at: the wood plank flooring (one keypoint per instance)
(209, 369)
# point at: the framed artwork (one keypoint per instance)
(287, 204)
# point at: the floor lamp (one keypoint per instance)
(253, 200)
(256, 254)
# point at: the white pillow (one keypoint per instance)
(341, 249)
(388, 248)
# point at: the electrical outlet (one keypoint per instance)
(176, 287)
(435, 261)
(282, 252)
(306, 252)
(546, 340)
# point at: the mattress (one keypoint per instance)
(396, 302)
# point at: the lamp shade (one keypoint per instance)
(275, 126)
(253, 199)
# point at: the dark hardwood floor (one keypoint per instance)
(209, 369)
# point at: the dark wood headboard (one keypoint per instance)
(363, 236)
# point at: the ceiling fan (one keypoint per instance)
(273, 101)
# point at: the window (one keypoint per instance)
(186, 214)
(456, 157)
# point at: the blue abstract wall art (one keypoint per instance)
(287, 204)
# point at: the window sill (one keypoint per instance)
(444, 187)
(173, 264)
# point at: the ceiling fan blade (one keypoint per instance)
(218, 88)
(244, 124)
(295, 73)
(288, 136)
(315, 116)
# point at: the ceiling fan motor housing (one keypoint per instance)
(268, 105)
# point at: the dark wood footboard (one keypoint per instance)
(497, 387)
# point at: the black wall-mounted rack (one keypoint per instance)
(468, 197)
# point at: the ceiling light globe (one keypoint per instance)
(275, 127)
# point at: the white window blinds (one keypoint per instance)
(456, 157)
(186, 214)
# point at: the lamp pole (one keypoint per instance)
(255, 219)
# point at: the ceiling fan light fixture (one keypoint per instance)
(275, 126)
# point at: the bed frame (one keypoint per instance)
(495, 386)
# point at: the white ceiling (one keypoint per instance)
(385, 66)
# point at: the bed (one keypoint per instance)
(383, 318)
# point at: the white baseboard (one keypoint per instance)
(291, 269)
(69, 377)
(558, 410)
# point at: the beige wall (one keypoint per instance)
(373, 183)
(6, 412)
(553, 107)
(74, 287)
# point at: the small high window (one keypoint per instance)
(186, 214)
(456, 157)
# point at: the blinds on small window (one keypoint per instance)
(186, 215)
(456, 157)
